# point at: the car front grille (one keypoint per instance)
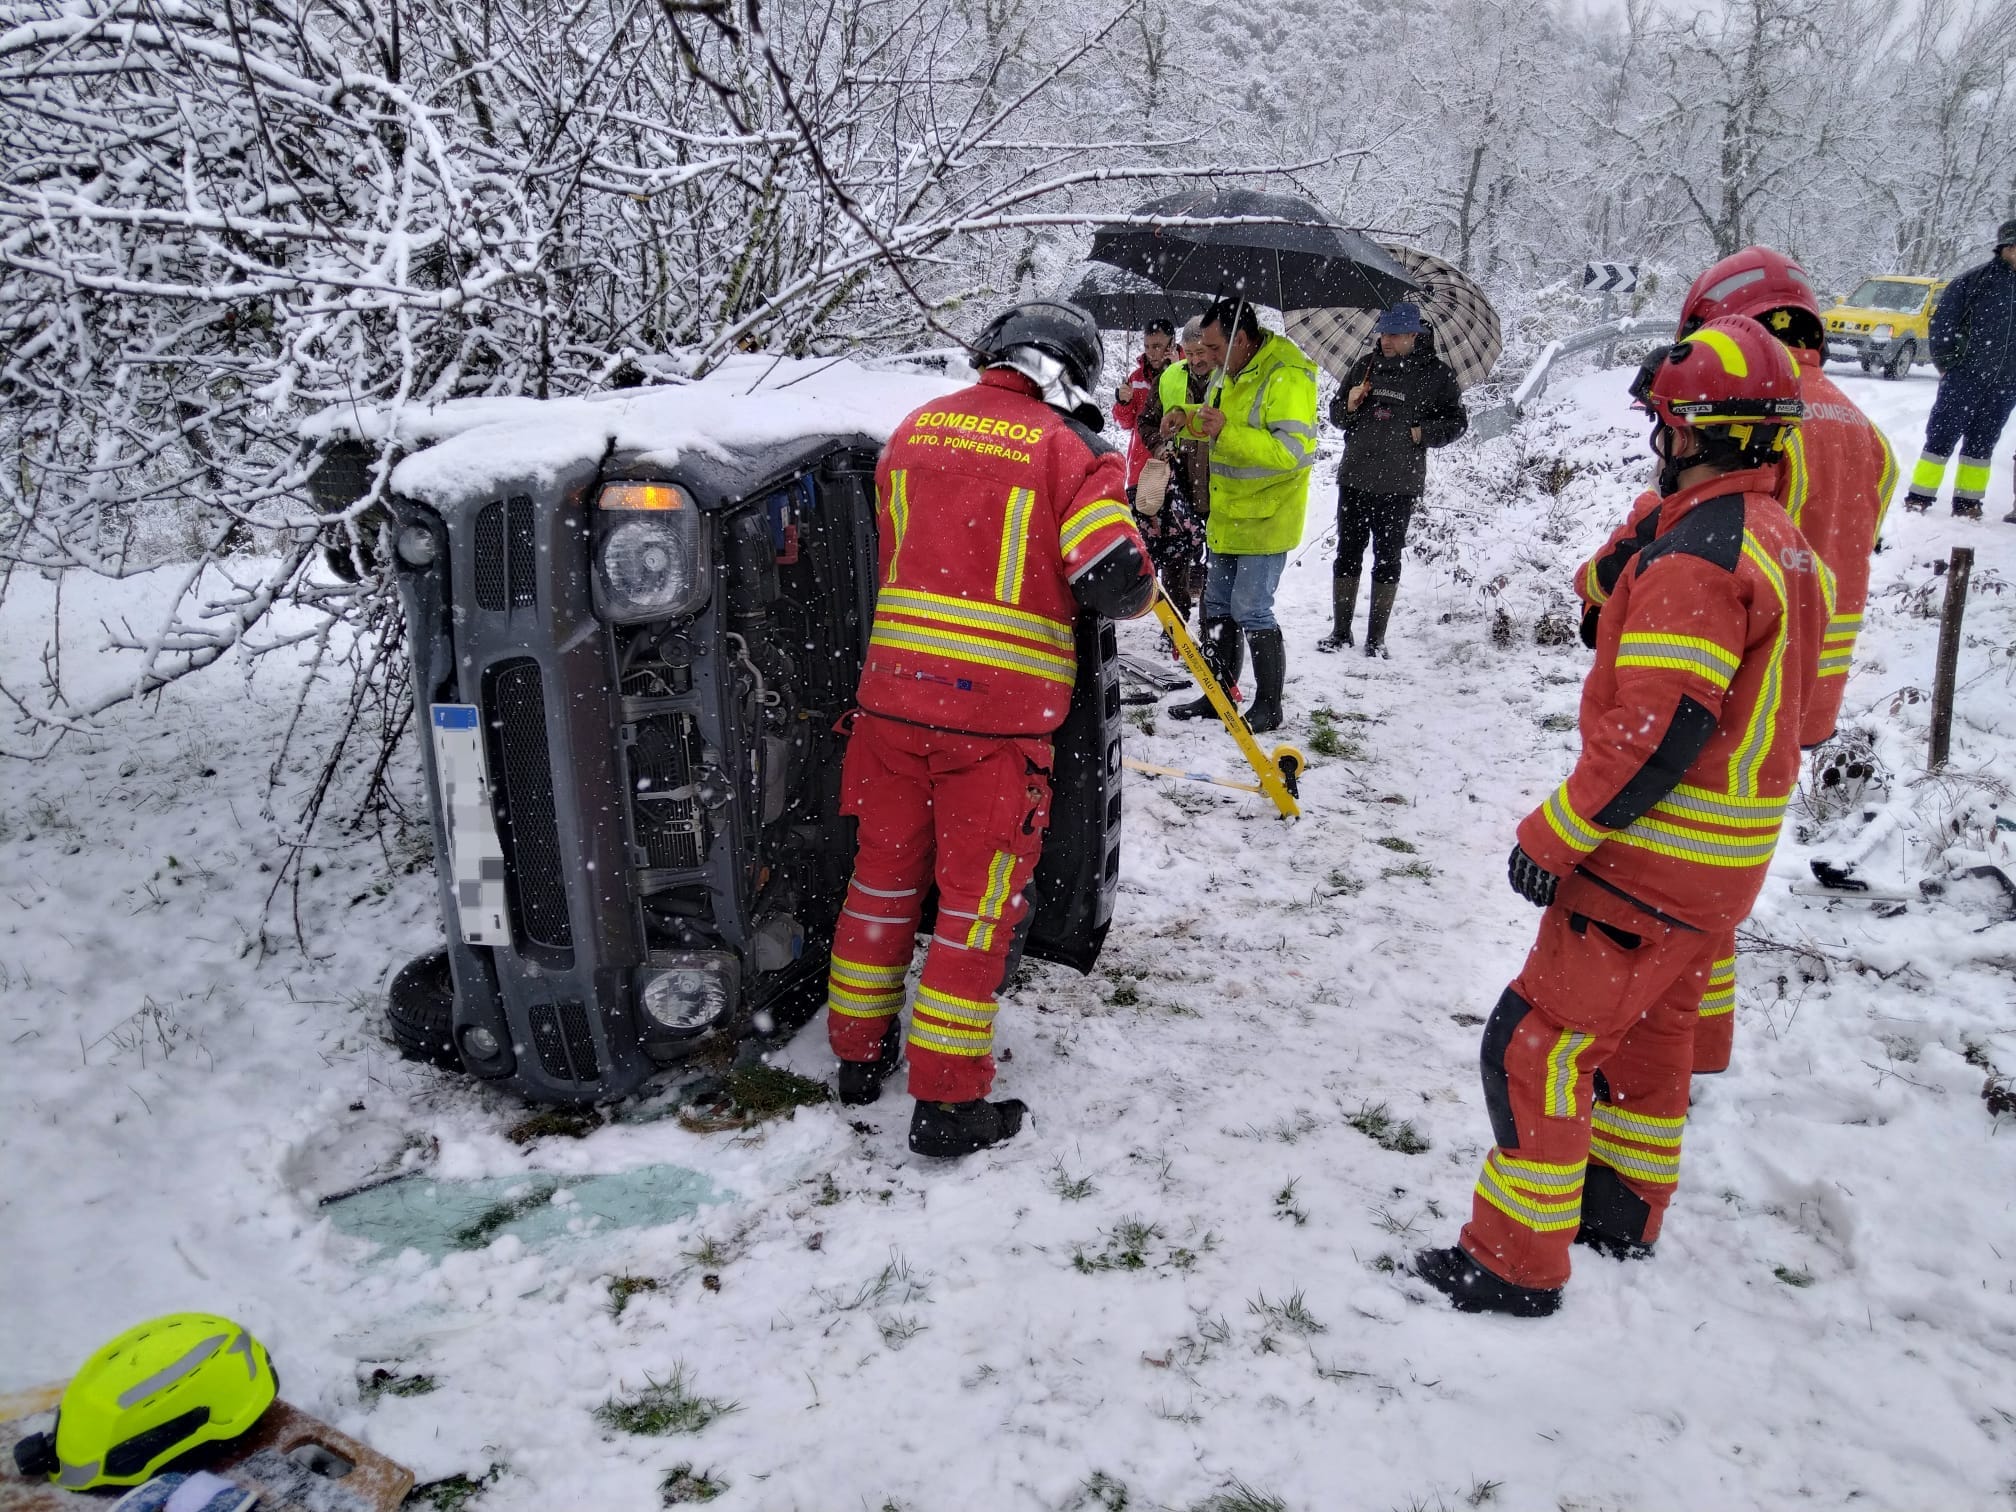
(507, 556)
(666, 813)
(564, 1042)
(530, 833)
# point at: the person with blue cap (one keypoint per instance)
(1399, 400)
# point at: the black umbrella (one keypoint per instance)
(1127, 302)
(1269, 249)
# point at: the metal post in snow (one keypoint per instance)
(1958, 571)
(1610, 314)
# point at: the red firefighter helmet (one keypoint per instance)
(1732, 382)
(1765, 285)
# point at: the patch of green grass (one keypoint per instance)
(829, 1191)
(1558, 723)
(1126, 995)
(1143, 719)
(1395, 844)
(1291, 1315)
(1103, 1492)
(1418, 871)
(683, 1485)
(453, 1493)
(1284, 1205)
(662, 1407)
(1286, 1130)
(1325, 739)
(491, 1220)
(708, 1254)
(755, 1094)
(383, 1383)
(1070, 1188)
(1482, 1491)
(1377, 1124)
(623, 1288)
(1343, 883)
(1799, 1278)
(566, 1123)
(1126, 1248)
(899, 1329)
(1240, 1497)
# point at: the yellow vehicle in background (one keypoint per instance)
(1886, 323)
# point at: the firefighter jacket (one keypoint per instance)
(990, 504)
(1690, 717)
(1141, 416)
(1381, 455)
(1835, 486)
(1261, 460)
(1974, 328)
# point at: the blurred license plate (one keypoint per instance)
(475, 859)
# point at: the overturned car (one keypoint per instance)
(635, 621)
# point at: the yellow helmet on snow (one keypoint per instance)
(155, 1392)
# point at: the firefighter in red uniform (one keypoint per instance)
(1838, 476)
(1657, 842)
(1002, 515)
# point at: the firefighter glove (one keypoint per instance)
(1530, 879)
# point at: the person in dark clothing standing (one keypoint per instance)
(1974, 348)
(1399, 400)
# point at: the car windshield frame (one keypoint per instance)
(1872, 293)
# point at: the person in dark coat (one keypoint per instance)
(1399, 400)
(1974, 348)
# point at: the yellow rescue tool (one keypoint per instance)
(1277, 772)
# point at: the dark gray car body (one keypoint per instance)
(674, 788)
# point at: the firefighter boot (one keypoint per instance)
(1343, 604)
(1471, 1288)
(861, 1081)
(950, 1129)
(1270, 670)
(1225, 653)
(1383, 595)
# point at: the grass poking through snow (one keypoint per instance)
(1379, 1126)
(662, 1407)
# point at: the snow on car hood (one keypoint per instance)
(749, 401)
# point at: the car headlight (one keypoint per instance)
(1881, 333)
(417, 546)
(687, 991)
(651, 558)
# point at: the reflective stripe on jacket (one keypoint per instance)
(1705, 658)
(1262, 459)
(990, 504)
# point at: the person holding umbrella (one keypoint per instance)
(1261, 426)
(1397, 402)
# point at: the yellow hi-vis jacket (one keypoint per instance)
(1262, 459)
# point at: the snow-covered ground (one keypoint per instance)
(1179, 1289)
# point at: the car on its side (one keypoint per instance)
(636, 621)
(1886, 323)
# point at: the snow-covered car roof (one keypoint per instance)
(468, 447)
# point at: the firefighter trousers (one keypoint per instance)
(967, 812)
(1586, 1061)
(1715, 1034)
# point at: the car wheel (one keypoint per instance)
(1868, 361)
(1900, 362)
(420, 1011)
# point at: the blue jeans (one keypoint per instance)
(1241, 589)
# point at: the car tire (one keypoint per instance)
(1868, 361)
(420, 1011)
(1899, 365)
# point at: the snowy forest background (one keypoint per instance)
(217, 216)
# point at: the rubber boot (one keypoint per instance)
(1918, 503)
(1270, 670)
(1225, 653)
(1471, 1288)
(1343, 604)
(861, 1081)
(1966, 509)
(951, 1129)
(1383, 595)
(1611, 1245)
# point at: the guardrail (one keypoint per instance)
(1500, 419)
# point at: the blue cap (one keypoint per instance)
(1401, 320)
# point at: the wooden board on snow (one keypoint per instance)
(291, 1459)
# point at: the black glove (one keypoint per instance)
(1530, 879)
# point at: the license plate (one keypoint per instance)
(475, 859)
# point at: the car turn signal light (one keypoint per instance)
(641, 496)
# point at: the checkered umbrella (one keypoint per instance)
(1454, 308)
